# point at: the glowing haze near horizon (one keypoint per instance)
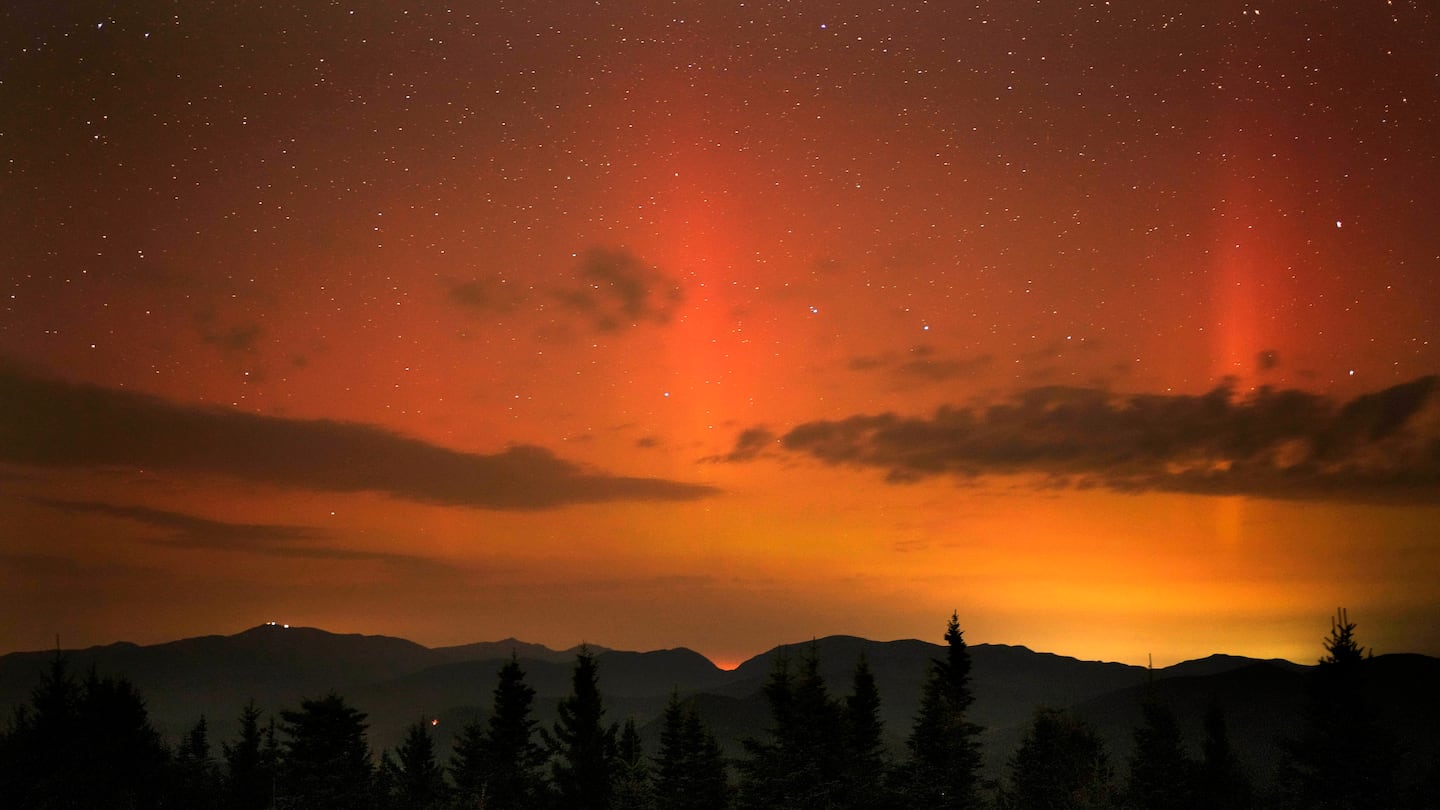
(1110, 325)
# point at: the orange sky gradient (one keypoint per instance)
(723, 325)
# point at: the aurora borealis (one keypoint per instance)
(1110, 325)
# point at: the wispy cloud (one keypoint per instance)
(489, 293)
(610, 290)
(49, 423)
(923, 364)
(190, 531)
(616, 289)
(1383, 446)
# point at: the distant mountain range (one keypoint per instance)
(398, 682)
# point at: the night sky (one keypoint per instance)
(1113, 326)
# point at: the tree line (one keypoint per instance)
(87, 742)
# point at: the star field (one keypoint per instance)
(675, 288)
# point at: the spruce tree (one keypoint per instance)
(1342, 758)
(944, 765)
(582, 747)
(802, 763)
(865, 768)
(1221, 784)
(690, 767)
(194, 775)
(467, 765)
(327, 763)
(417, 780)
(499, 762)
(39, 748)
(1160, 774)
(817, 738)
(83, 744)
(766, 772)
(249, 778)
(121, 758)
(633, 788)
(712, 784)
(1060, 765)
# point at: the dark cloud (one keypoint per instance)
(924, 364)
(611, 289)
(616, 289)
(750, 444)
(189, 531)
(48, 423)
(232, 338)
(931, 368)
(488, 293)
(1383, 446)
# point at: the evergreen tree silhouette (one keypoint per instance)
(37, 752)
(865, 767)
(633, 787)
(417, 782)
(944, 765)
(802, 762)
(194, 774)
(1160, 773)
(498, 763)
(1341, 759)
(1221, 783)
(250, 767)
(327, 763)
(1060, 765)
(582, 747)
(690, 767)
(82, 745)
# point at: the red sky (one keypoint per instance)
(1109, 325)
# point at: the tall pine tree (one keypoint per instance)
(690, 767)
(801, 761)
(1060, 765)
(327, 763)
(633, 788)
(944, 765)
(1221, 784)
(498, 763)
(87, 744)
(195, 778)
(1160, 773)
(416, 780)
(865, 767)
(582, 747)
(1342, 758)
(250, 768)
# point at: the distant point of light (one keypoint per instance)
(1338, 223)
(1352, 372)
(666, 394)
(434, 721)
(925, 327)
(823, 26)
(814, 310)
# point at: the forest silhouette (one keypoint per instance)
(86, 741)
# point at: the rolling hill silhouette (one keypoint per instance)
(398, 681)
